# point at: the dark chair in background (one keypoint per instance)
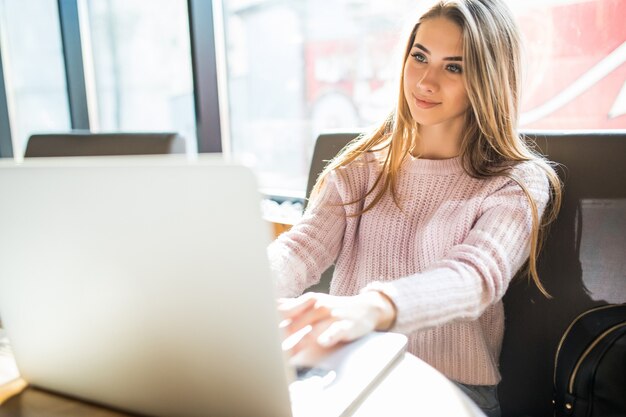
(327, 146)
(581, 265)
(103, 144)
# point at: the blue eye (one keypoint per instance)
(454, 68)
(419, 57)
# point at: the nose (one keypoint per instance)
(428, 83)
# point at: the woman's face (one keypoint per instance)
(433, 75)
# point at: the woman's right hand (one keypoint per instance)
(315, 319)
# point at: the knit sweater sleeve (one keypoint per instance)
(299, 256)
(475, 273)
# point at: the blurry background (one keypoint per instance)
(262, 78)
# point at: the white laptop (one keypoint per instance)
(142, 283)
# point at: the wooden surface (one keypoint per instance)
(10, 382)
(278, 228)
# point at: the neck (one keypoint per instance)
(438, 142)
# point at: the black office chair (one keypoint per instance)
(581, 265)
(102, 144)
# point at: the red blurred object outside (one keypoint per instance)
(574, 66)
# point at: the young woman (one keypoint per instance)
(429, 217)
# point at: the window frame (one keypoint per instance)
(6, 145)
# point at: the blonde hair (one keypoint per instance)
(490, 145)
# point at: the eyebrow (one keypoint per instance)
(448, 58)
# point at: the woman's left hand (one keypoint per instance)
(325, 320)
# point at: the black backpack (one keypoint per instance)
(590, 365)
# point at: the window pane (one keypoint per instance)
(33, 68)
(141, 60)
(297, 68)
(575, 72)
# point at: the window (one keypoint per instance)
(140, 56)
(576, 64)
(33, 68)
(297, 68)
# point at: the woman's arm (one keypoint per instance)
(477, 272)
(299, 256)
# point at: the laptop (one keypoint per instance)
(142, 283)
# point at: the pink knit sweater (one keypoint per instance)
(445, 257)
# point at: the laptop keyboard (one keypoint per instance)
(306, 372)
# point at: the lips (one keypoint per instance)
(425, 104)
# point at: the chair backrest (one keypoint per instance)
(101, 144)
(327, 146)
(581, 264)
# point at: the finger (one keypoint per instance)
(308, 317)
(306, 339)
(289, 307)
(310, 355)
(290, 342)
(338, 331)
(302, 343)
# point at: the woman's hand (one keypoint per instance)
(325, 320)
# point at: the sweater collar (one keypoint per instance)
(433, 166)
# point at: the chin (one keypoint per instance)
(424, 121)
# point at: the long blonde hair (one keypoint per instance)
(490, 145)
